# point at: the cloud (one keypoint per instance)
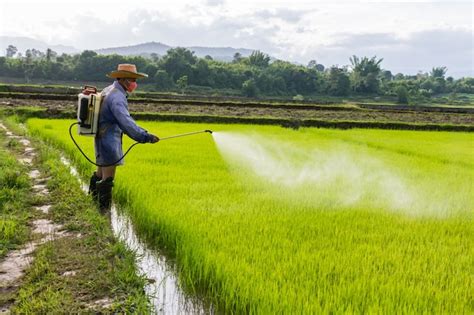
(214, 3)
(288, 15)
(285, 34)
(420, 51)
(175, 30)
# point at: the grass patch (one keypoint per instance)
(15, 201)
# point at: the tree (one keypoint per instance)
(50, 54)
(386, 75)
(201, 72)
(11, 51)
(251, 76)
(439, 85)
(85, 65)
(237, 57)
(402, 94)
(155, 57)
(338, 82)
(178, 62)
(28, 65)
(438, 72)
(163, 80)
(182, 83)
(365, 74)
(249, 88)
(259, 59)
(37, 54)
(150, 69)
(465, 85)
(316, 66)
(399, 76)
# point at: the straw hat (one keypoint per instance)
(126, 70)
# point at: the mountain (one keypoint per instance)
(140, 49)
(145, 49)
(24, 43)
(218, 53)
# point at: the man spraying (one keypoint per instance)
(114, 120)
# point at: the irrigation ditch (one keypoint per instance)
(162, 287)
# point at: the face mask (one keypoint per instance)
(131, 86)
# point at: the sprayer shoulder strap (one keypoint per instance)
(104, 94)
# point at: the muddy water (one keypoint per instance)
(162, 285)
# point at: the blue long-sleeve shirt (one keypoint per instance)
(114, 119)
(114, 112)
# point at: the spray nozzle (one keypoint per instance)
(207, 130)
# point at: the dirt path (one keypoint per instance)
(57, 270)
(13, 266)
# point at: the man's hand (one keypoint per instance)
(153, 138)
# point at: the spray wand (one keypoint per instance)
(186, 134)
(128, 150)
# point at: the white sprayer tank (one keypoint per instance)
(88, 109)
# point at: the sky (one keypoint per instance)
(410, 36)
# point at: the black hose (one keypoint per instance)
(99, 165)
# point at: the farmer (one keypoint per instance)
(114, 120)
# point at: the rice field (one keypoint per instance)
(262, 219)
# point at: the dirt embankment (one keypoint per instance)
(69, 263)
(319, 113)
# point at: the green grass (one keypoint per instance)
(15, 203)
(332, 221)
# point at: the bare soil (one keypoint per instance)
(342, 114)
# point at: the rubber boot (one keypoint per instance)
(93, 185)
(104, 194)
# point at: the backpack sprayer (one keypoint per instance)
(88, 111)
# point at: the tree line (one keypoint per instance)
(252, 76)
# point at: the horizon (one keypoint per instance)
(328, 32)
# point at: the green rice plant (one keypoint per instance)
(271, 220)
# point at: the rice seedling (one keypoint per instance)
(263, 219)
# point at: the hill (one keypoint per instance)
(24, 43)
(146, 49)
